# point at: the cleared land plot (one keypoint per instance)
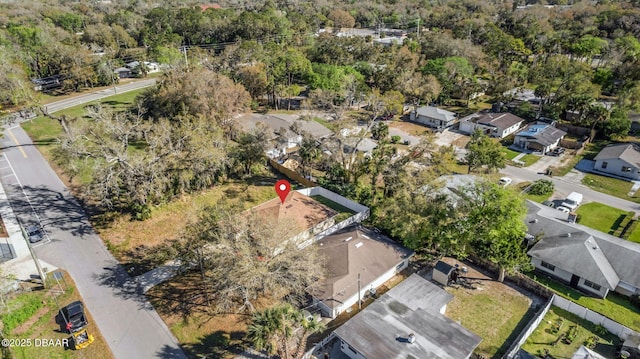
(34, 317)
(138, 244)
(556, 324)
(411, 128)
(493, 310)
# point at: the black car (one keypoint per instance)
(73, 317)
(557, 151)
(34, 233)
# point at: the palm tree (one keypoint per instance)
(273, 329)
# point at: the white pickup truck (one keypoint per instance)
(572, 201)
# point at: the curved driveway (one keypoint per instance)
(128, 322)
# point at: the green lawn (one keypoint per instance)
(600, 216)
(529, 159)
(614, 306)
(608, 185)
(547, 334)
(496, 313)
(589, 152)
(539, 198)
(324, 122)
(509, 153)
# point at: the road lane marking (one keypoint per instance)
(17, 144)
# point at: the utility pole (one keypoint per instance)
(359, 294)
(35, 257)
(186, 60)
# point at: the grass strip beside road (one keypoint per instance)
(612, 186)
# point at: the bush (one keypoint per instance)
(395, 139)
(541, 187)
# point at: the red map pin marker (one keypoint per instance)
(283, 187)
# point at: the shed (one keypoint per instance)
(442, 272)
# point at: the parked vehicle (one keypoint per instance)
(563, 209)
(34, 233)
(572, 201)
(505, 181)
(73, 317)
(557, 151)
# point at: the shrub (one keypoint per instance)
(541, 187)
(395, 139)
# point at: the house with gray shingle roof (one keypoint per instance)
(434, 117)
(619, 160)
(407, 322)
(584, 258)
(356, 254)
(493, 124)
(538, 137)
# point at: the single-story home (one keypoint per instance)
(586, 259)
(434, 117)
(407, 322)
(122, 72)
(538, 137)
(278, 132)
(358, 258)
(364, 145)
(151, 67)
(620, 160)
(498, 125)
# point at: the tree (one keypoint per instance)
(249, 256)
(282, 330)
(483, 151)
(494, 223)
(309, 152)
(250, 148)
(197, 93)
(136, 163)
(341, 19)
(254, 79)
(379, 131)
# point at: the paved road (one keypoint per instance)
(93, 96)
(565, 186)
(129, 324)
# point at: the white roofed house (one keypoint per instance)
(538, 137)
(434, 117)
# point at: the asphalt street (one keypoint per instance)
(128, 322)
(563, 187)
(93, 96)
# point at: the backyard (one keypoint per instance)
(616, 307)
(492, 310)
(561, 333)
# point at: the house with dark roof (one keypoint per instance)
(434, 117)
(359, 261)
(586, 259)
(499, 125)
(407, 322)
(621, 160)
(538, 137)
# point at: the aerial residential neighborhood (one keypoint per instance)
(320, 179)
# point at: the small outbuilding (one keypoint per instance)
(443, 272)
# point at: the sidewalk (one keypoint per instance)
(156, 276)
